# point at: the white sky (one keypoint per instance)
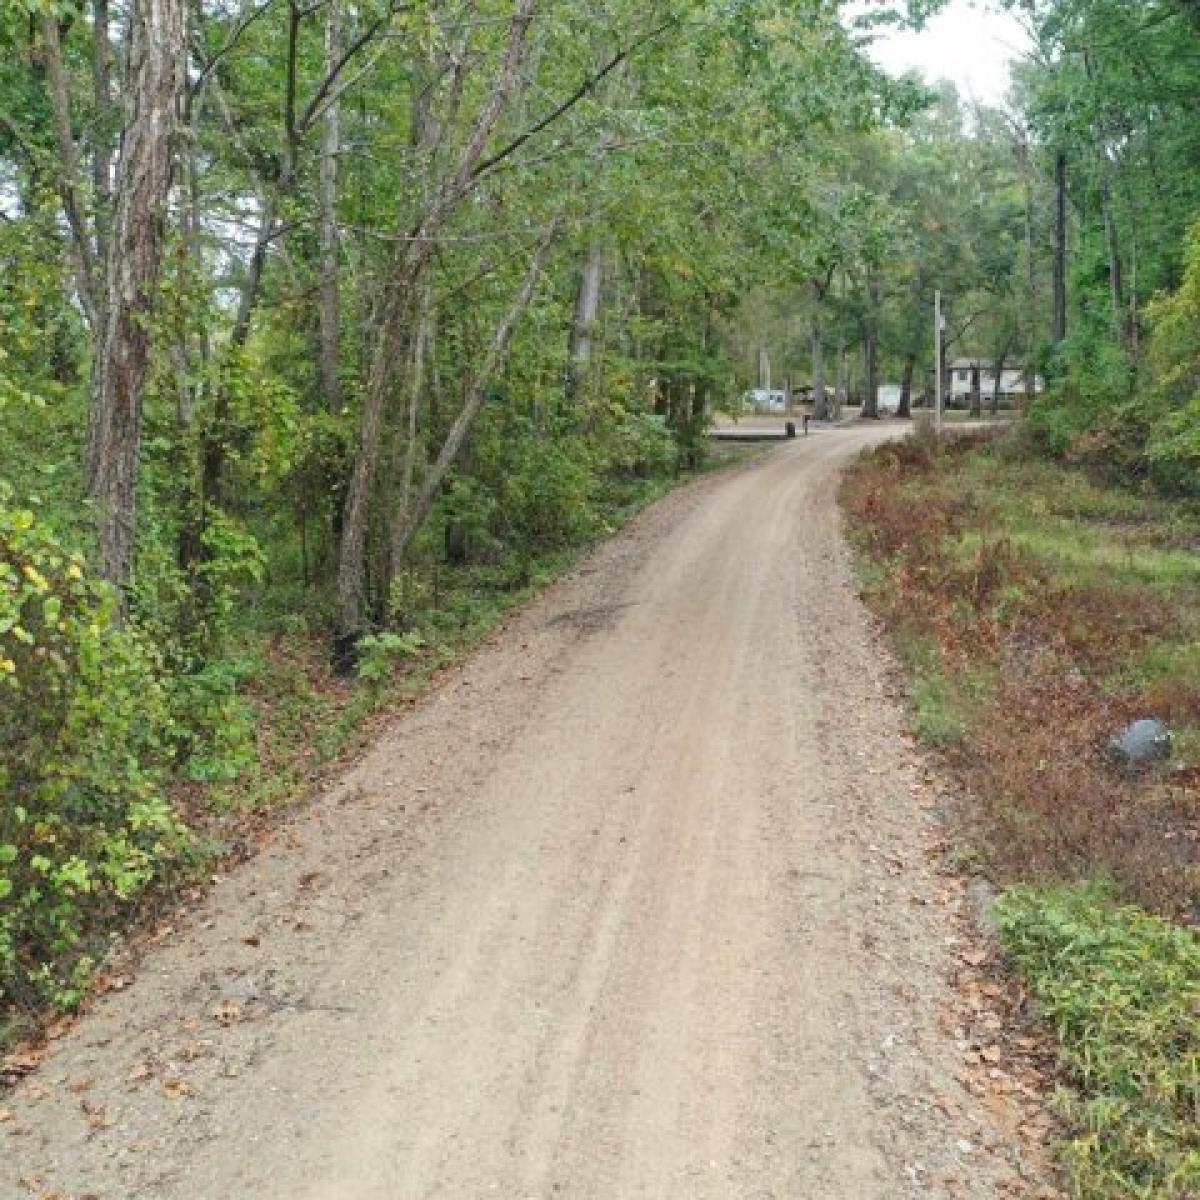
(969, 43)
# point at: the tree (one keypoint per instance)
(126, 315)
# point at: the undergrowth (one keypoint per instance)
(1037, 609)
(1121, 989)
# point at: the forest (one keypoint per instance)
(330, 327)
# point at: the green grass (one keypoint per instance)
(1083, 530)
(935, 719)
(1121, 988)
(942, 703)
(1088, 554)
(1165, 660)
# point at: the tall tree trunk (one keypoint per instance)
(976, 390)
(906, 377)
(998, 380)
(587, 309)
(870, 353)
(476, 392)
(330, 318)
(153, 89)
(182, 284)
(1112, 238)
(89, 282)
(102, 100)
(1135, 332)
(421, 345)
(351, 552)
(820, 403)
(1031, 291)
(841, 388)
(1059, 320)
(870, 407)
(393, 309)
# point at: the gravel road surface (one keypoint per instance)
(637, 903)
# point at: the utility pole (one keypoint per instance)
(939, 324)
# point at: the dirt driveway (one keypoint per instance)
(636, 904)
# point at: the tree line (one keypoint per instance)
(1059, 226)
(336, 218)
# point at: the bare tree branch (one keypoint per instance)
(585, 88)
(86, 275)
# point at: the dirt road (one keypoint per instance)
(636, 904)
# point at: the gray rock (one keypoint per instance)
(981, 904)
(1142, 744)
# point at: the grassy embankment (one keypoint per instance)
(1038, 609)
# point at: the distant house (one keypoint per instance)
(888, 397)
(765, 400)
(775, 400)
(1012, 381)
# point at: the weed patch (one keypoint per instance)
(1031, 634)
(1121, 989)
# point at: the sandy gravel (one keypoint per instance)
(635, 904)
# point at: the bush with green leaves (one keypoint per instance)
(213, 725)
(1144, 425)
(547, 499)
(84, 741)
(380, 654)
(1121, 989)
(468, 514)
(1175, 355)
(632, 443)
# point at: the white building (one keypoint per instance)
(765, 400)
(1012, 381)
(888, 397)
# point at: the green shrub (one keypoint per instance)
(633, 444)
(1122, 990)
(1144, 423)
(1175, 446)
(468, 513)
(379, 654)
(1175, 359)
(547, 501)
(84, 739)
(213, 725)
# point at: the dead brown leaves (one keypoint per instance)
(20, 1063)
(1007, 1060)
